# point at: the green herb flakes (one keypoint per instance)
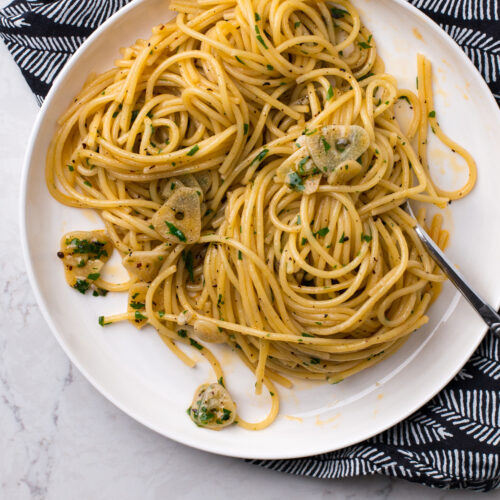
(295, 182)
(260, 156)
(173, 230)
(195, 344)
(137, 305)
(81, 285)
(322, 232)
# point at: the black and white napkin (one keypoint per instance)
(454, 440)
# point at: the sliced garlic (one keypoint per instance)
(190, 181)
(84, 254)
(208, 332)
(170, 187)
(204, 179)
(311, 184)
(144, 265)
(344, 173)
(212, 407)
(334, 145)
(179, 219)
(184, 317)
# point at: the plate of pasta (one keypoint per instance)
(213, 224)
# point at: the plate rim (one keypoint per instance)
(87, 373)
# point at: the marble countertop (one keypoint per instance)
(60, 438)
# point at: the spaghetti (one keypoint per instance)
(202, 153)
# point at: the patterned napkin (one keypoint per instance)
(454, 440)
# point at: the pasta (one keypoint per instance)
(248, 166)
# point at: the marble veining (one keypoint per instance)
(60, 439)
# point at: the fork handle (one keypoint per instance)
(489, 315)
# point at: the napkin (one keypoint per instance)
(454, 440)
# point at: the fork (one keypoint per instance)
(489, 315)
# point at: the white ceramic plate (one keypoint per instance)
(137, 373)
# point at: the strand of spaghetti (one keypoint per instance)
(456, 148)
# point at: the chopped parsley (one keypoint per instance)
(239, 60)
(261, 40)
(297, 24)
(93, 248)
(432, 114)
(245, 128)
(325, 143)
(322, 232)
(87, 183)
(366, 45)
(257, 17)
(193, 150)
(269, 67)
(405, 98)
(81, 285)
(173, 230)
(343, 238)
(302, 163)
(329, 94)
(182, 333)
(338, 13)
(221, 381)
(315, 361)
(139, 316)
(260, 156)
(240, 255)
(309, 132)
(364, 77)
(94, 276)
(101, 321)
(134, 114)
(304, 334)
(295, 182)
(71, 168)
(366, 237)
(195, 344)
(137, 305)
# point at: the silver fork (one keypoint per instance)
(489, 315)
